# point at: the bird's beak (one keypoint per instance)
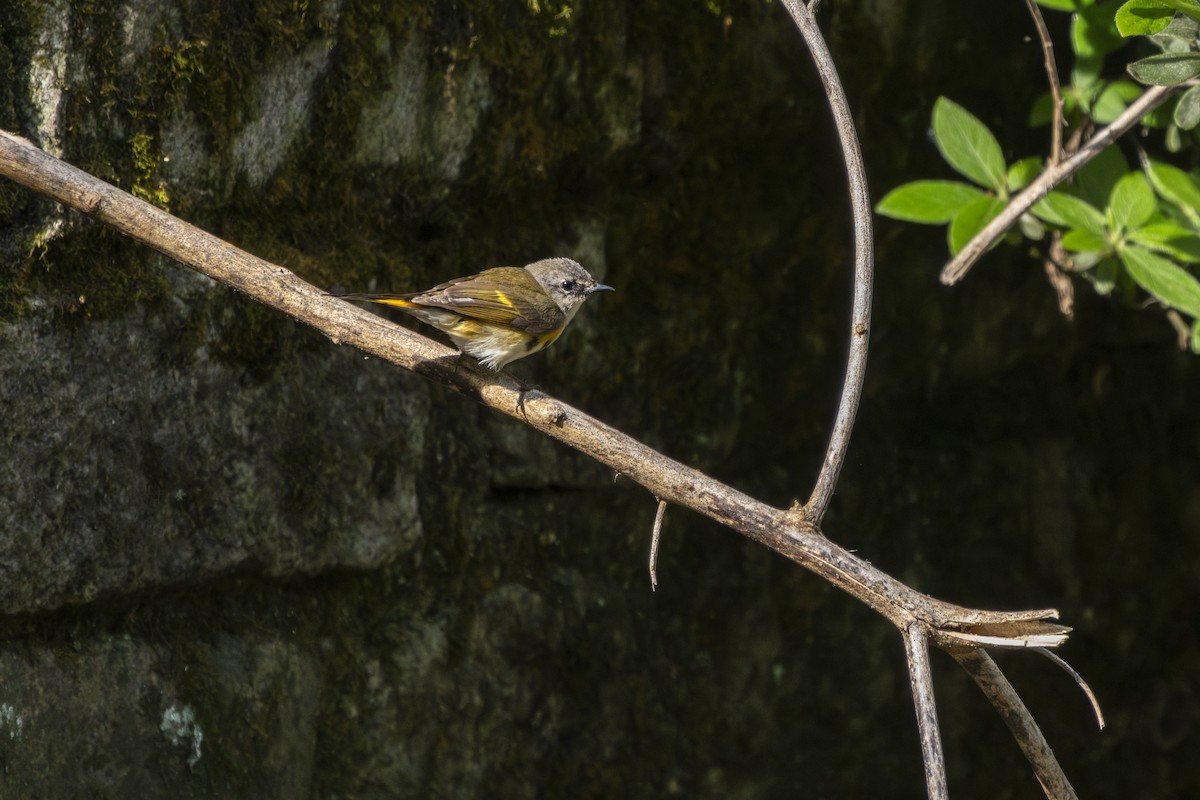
(600, 287)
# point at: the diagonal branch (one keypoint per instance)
(988, 677)
(667, 479)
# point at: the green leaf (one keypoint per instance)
(1103, 276)
(1166, 69)
(967, 144)
(1059, 208)
(1021, 173)
(1092, 32)
(1060, 5)
(1132, 202)
(1178, 187)
(1187, 110)
(1178, 37)
(1031, 227)
(1095, 182)
(1189, 7)
(1167, 282)
(1170, 238)
(971, 220)
(1113, 99)
(1143, 17)
(1194, 344)
(1173, 140)
(928, 202)
(1078, 241)
(1085, 75)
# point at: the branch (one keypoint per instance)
(1064, 290)
(1056, 130)
(1053, 175)
(655, 536)
(988, 677)
(916, 648)
(860, 316)
(669, 480)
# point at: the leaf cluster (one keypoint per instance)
(1121, 229)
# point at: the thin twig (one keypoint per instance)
(988, 677)
(958, 266)
(1060, 282)
(860, 315)
(916, 649)
(1064, 290)
(1056, 131)
(654, 538)
(1087, 690)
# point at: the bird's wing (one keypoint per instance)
(484, 297)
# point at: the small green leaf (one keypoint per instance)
(1189, 7)
(1178, 37)
(1092, 32)
(1178, 187)
(1132, 202)
(1103, 276)
(967, 144)
(928, 202)
(1167, 282)
(1062, 209)
(1166, 69)
(1187, 110)
(1081, 262)
(1113, 99)
(1021, 173)
(1194, 344)
(971, 220)
(1094, 183)
(1042, 110)
(1059, 5)
(1078, 241)
(1085, 75)
(1173, 139)
(1031, 227)
(1143, 17)
(1170, 238)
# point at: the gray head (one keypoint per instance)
(567, 283)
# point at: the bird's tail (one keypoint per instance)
(395, 300)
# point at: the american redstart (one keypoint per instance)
(501, 314)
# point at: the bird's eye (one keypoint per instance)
(568, 286)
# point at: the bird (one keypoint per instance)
(501, 314)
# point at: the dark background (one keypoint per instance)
(238, 561)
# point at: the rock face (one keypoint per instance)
(239, 561)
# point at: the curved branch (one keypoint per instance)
(957, 267)
(860, 316)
